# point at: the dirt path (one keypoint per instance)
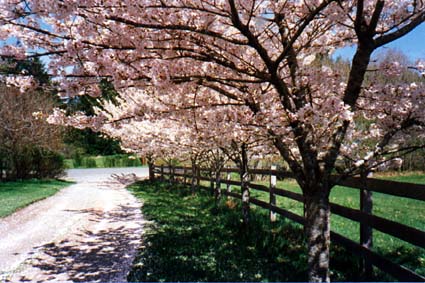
(87, 232)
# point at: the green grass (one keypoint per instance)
(406, 211)
(109, 161)
(193, 239)
(16, 195)
(403, 210)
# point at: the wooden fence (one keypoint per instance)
(363, 216)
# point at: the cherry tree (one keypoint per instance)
(263, 57)
(207, 136)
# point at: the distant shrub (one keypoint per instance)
(118, 160)
(89, 162)
(69, 163)
(77, 159)
(129, 162)
(51, 165)
(108, 161)
(32, 162)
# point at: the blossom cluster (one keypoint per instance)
(194, 75)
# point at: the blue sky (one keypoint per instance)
(412, 44)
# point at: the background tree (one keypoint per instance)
(87, 141)
(30, 67)
(29, 145)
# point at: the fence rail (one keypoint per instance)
(363, 215)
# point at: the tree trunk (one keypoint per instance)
(151, 169)
(318, 234)
(16, 169)
(272, 196)
(172, 171)
(244, 185)
(217, 191)
(1, 169)
(228, 178)
(198, 177)
(212, 191)
(245, 197)
(366, 231)
(194, 174)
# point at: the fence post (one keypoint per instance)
(162, 172)
(272, 195)
(366, 233)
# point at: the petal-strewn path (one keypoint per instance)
(87, 232)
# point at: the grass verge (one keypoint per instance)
(192, 238)
(16, 195)
(403, 210)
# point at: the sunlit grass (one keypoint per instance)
(403, 210)
(15, 195)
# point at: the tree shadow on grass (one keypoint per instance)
(101, 255)
(194, 239)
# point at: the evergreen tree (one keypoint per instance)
(91, 142)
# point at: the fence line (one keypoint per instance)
(363, 216)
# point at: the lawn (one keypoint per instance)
(16, 195)
(403, 210)
(193, 239)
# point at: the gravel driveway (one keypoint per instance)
(86, 232)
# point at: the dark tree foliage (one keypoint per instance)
(91, 142)
(31, 67)
(85, 103)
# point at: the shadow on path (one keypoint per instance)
(100, 255)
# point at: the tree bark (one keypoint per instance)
(198, 177)
(162, 173)
(1, 168)
(272, 196)
(228, 178)
(318, 234)
(172, 171)
(184, 175)
(217, 191)
(244, 185)
(194, 175)
(212, 190)
(366, 231)
(151, 169)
